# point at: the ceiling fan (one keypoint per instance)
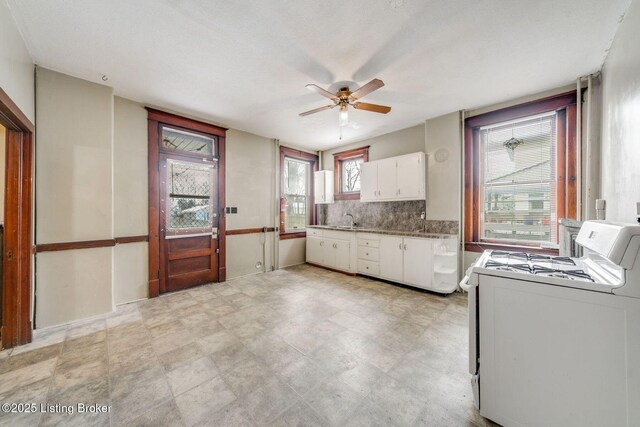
(344, 97)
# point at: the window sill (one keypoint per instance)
(293, 235)
(482, 246)
(347, 196)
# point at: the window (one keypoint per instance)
(189, 188)
(297, 208)
(187, 142)
(346, 168)
(518, 160)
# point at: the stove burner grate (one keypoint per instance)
(564, 274)
(532, 257)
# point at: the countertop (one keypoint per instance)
(380, 231)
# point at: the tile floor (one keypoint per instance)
(295, 347)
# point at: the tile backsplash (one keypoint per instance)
(401, 216)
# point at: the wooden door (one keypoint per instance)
(418, 262)
(189, 222)
(391, 258)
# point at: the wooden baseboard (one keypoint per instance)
(332, 269)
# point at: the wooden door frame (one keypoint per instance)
(156, 119)
(18, 224)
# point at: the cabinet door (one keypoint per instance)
(418, 262)
(319, 192)
(369, 182)
(342, 251)
(410, 177)
(391, 257)
(314, 250)
(329, 252)
(387, 187)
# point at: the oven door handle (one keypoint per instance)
(464, 284)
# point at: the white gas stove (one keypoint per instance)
(556, 340)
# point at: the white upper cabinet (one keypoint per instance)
(387, 179)
(369, 181)
(323, 187)
(395, 178)
(411, 178)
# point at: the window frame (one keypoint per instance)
(564, 105)
(338, 160)
(312, 159)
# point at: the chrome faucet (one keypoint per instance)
(353, 222)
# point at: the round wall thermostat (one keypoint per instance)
(442, 155)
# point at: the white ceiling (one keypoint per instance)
(245, 64)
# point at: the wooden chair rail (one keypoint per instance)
(88, 244)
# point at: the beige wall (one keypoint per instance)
(405, 141)
(3, 134)
(250, 184)
(621, 121)
(130, 200)
(74, 187)
(443, 137)
(16, 66)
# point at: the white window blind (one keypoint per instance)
(518, 180)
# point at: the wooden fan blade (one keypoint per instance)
(368, 88)
(326, 107)
(371, 107)
(321, 91)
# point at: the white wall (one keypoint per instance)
(74, 184)
(405, 141)
(130, 200)
(621, 120)
(16, 66)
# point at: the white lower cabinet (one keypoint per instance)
(418, 262)
(314, 250)
(427, 263)
(332, 249)
(391, 258)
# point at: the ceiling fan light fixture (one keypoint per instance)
(343, 116)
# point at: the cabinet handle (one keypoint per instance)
(321, 243)
(367, 253)
(400, 246)
(405, 247)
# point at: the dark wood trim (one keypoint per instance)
(131, 239)
(184, 122)
(294, 235)
(241, 231)
(222, 203)
(69, 246)
(571, 165)
(482, 246)
(154, 209)
(16, 327)
(340, 157)
(551, 103)
(313, 160)
(565, 106)
(12, 117)
(332, 269)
